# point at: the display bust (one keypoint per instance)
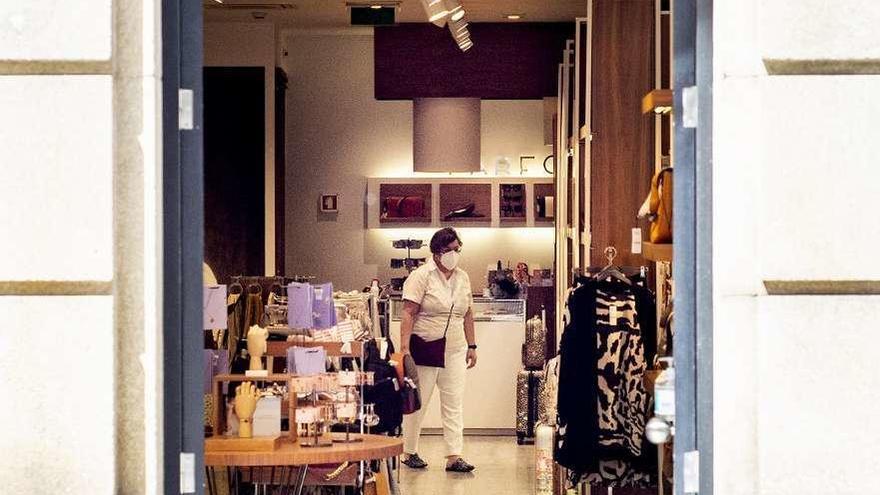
(256, 344)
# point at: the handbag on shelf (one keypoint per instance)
(430, 353)
(404, 207)
(660, 207)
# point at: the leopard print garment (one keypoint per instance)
(621, 368)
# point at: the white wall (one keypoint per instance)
(339, 134)
(795, 179)
(251, 44)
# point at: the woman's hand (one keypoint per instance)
(471, 358)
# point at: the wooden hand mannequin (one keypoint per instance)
(246, 396)
(256, 344)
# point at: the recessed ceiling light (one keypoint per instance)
(376, 7)
(514, 17)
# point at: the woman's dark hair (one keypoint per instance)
(443, 238)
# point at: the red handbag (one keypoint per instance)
(404, 207)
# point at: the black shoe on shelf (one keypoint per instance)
(413, 461)
(460, 466)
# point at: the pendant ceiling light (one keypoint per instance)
(450, 13)
(458, 28)
(456, 11)
(436, 10)
(461, 34)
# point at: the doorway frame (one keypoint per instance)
(183, 241)
(692, 238)
(183, 246)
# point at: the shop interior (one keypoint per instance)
(338, 137)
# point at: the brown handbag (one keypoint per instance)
(430, 353)
(660, 205)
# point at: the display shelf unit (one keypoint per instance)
(657, 252)
(658, 101)
(445, 191)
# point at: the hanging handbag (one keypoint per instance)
(660, 207)
(412, 398)
(430, 353)
(404, 207)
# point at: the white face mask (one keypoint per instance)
(450, 260)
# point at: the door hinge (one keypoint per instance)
(185, 99)
(691, 480)
(187, 472)
(690, 103)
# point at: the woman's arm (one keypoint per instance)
(470, 336)
(407, 321)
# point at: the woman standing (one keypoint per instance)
(437, 310)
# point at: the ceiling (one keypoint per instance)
(306, 14)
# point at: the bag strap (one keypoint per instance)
(448, 319)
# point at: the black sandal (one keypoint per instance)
(413, 461)
(460, 466)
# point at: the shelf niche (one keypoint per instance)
(457, 196)
(512, 203)
(545, 203)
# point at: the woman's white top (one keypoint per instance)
(428, 287)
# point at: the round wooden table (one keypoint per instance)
(291, 455)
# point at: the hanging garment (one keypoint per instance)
(215, 362)
(620, 372)
(306, 361)
(602, 404)
(235, 303)
(323, 309)
(300, 299)
(253, 307)
(550, 392)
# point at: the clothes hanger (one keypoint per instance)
(234, 292)
(612, 271)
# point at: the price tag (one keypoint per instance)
(347, 378)
(307, 415)
(346, 410)
(612, 315)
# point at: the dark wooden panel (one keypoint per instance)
(235, 170)
(508, 61)
(622, 148)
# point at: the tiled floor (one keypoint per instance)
(502, 467)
